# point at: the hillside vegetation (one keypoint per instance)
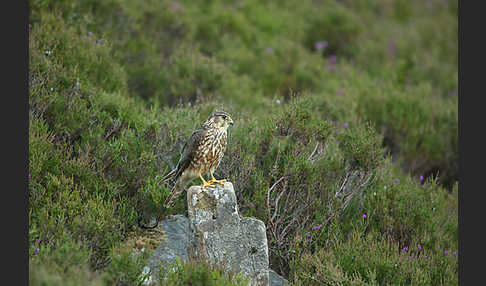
(344, 142)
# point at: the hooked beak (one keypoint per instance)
(231, 122)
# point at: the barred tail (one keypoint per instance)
(168, 176)
(174, 194)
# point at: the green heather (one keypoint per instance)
(328, 147)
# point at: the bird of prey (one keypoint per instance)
(201, 154)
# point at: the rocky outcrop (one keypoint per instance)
(221, 236)
(215, 232)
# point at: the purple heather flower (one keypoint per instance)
(392, 49)
(30, 26)
(90, 34)
(454, 253)
(345, 125)
(340, 91)
(38, 241)
(405, 248)
(269, 50)
(419, 247)
(332, 59)
(425, 256)
(317, 227)
(36, 251)
(30, 176)
(176, 6)
(421, 177)
(410, 257)
(308, 235)
(321, 45)
(446, 252)
(100, 41)
(85, 37)
(363, 216)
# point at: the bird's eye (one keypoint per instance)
(225, 117)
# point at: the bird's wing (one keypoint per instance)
(188, 151)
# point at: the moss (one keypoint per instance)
(144, 239)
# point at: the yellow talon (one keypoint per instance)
(206, 184)
(213, 180)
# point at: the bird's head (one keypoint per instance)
(220, 119)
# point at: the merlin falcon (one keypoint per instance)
(201, 154)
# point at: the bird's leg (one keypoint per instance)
(206, 184)
(213, 180)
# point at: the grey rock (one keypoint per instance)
(276, 280)
(214, 232)
(176, 231)
(221, 236)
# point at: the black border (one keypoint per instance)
(15, 141)
(471, 168)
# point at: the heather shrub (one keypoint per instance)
(365, 260)
(337, 26)
(62, 265)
